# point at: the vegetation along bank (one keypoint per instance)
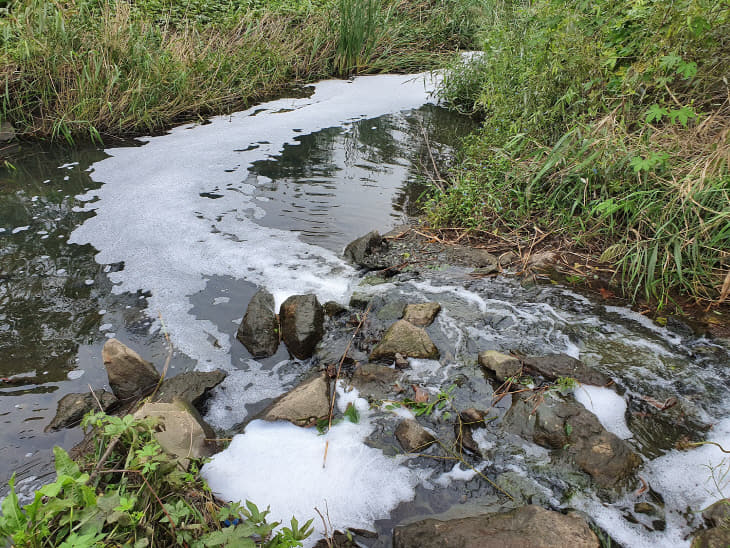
(606, 130)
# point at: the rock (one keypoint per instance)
(364, 251)
(718, 513)
(337, 540)
(413, 437)
(716, 537)
(304, 405)
(406, 339)
(466, 422)
(129, 375)
(526, 527)
(374, 381)
(473, 257)
(259, 329)
(542, 260)
(561, 365)
(333, 308)
(421, 315)
(401, 362)
(180, 431)
(7, 131)
(72, 408)
(644, 508)
(558, 424)
(192, 387)
(502, 365)
(507, 258)
(523, 489)
(302, 324)
(389, 311)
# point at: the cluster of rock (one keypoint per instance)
(174, 403)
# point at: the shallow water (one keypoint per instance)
(186, 226)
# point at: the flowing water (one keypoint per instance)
(180, 230)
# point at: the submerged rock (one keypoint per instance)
(304, 405)
(72, 408)
(364, 251)
(302, 324)
(7, 131)
(526, 527)
(192, 386)
(374, 381)
(406, 339)
(259, 329)
(129, 375)
(412, 436)
(422, 314)
(561, 365)
(501, 365)
(180, 430)
(566, 424)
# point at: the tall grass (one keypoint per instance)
(607, 123)
(92, 68)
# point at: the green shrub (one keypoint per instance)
(605, 122)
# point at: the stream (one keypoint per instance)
(174, 234)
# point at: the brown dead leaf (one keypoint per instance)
(421, 396)
(725, 291)
(606, 293)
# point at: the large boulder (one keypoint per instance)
(302, 324)
(421, 314)
(192, 386)
(501, 365)
(374, 381)
(412, 436)
(365, 250)
(566, 424)
(180, 430)
(259, 329)
(304, 405)
(72, 408)
(526, 527)
(405, 339)
(561, 365)
(129, 375)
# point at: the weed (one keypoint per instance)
(132, 493)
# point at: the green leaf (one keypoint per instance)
(64, 464)
(655, 112)
(670, 61)
(683, 114)
(351, 413)
(687, 70)
(13, 518)
(230, 536)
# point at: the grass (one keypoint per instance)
(605, 123)
(97, 68)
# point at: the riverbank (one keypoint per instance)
(91, 69)
(606, 131)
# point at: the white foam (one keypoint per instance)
(179, 239)
(20, 229)
(75, 374)
(607, 405)
(455, 474)
(281, 465)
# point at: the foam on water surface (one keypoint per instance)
(607, 405)
(179, 238)
(281, 465)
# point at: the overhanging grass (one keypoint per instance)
(606, 122)
(90, 68)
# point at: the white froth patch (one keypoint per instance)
(280, 465)
(457, 473)
(180, 239)
(607, 405)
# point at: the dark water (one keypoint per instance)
(57, 307)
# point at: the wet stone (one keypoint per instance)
(304, 405)
(561, 365)
(364, 251)
(72, 408)
(129, 375)
(526, 527)
(413, 437)
(422, 314)
(501, 365)
(192, 386)
(302, 324)
(259, 329)
(406, 339)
